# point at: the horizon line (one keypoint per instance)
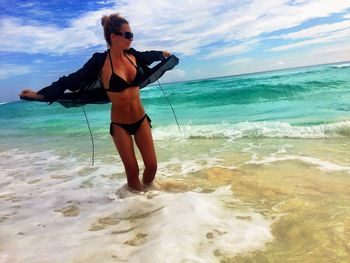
(227, 76)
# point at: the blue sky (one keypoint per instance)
(43, 40)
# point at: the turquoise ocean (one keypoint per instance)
(259, 171)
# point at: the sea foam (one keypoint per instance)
(345, 65)
(60, 211)
(253, 130)
(321, 164)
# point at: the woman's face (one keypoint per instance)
(124, 39)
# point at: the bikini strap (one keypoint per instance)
(130, 60)
(110, 59)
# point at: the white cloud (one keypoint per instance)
(296, 2)
(343, 48)
(344, 34)
(28, 37)
(105, 2)
(238, 61)
(27, 4)
(38, 61)
(188, 27)
(10, 70)
(174, 75)
(229, 51)
(268, 16)
(203, 23)
(317, 31)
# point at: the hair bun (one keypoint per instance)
(104, 20)
(111, 24)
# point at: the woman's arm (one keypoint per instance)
(148, 57)
(74, 81)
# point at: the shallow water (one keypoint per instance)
(259, 201)
(260, 172)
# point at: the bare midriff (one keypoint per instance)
(126, 105)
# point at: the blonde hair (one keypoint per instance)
(112, 24)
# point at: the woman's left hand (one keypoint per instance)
(166, 54)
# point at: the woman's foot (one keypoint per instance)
(147, 187)
(135, 186)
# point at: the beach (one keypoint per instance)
(259, 171)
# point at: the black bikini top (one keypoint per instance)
(118, 84)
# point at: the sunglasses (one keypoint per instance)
(126, 35)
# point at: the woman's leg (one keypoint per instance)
(124, 143)
(144, 142)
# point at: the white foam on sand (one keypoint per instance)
(179, 166)
(323, 165)
(60, 211)
(194, 227)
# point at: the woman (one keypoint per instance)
(120, 69)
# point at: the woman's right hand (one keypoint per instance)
(31, 94)
(166, 53)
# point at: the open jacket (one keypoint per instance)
(86, 82)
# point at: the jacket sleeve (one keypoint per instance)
(74, 81)
(147, 57)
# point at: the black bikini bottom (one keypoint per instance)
(131, 128)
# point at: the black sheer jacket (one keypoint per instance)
(87, 82)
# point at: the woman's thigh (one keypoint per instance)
(125, 146)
